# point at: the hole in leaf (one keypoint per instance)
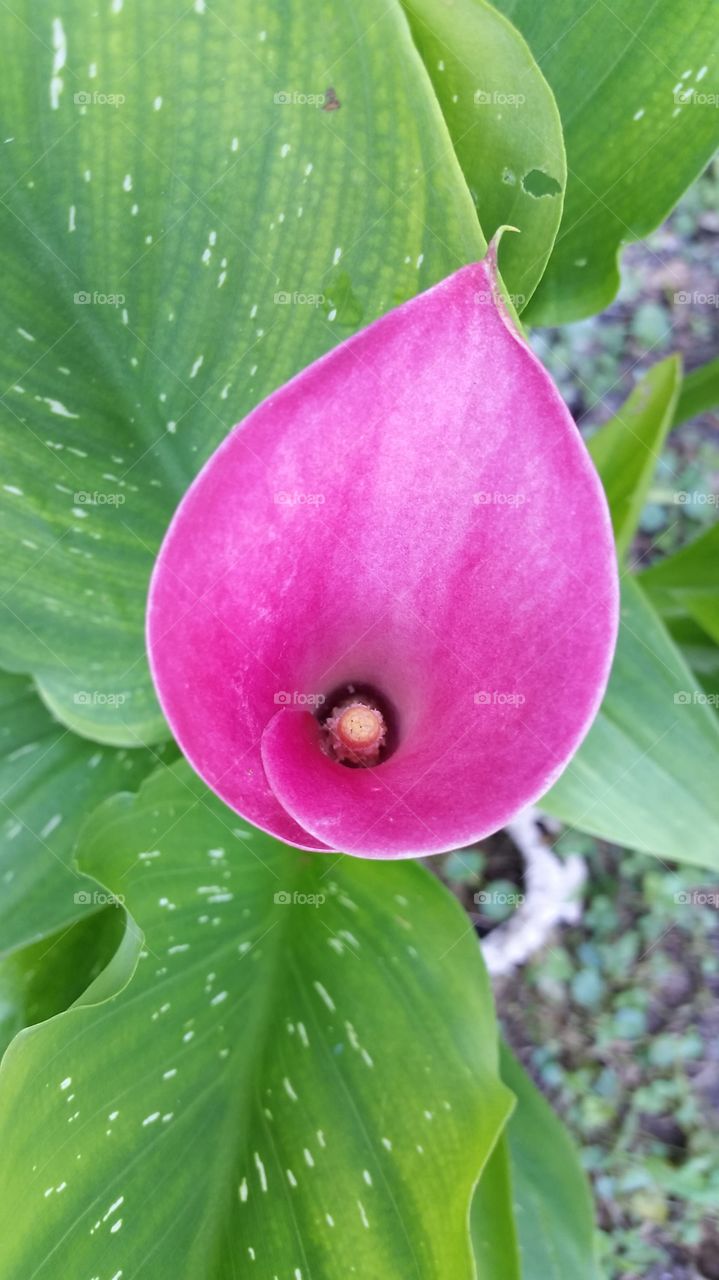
(538, 183)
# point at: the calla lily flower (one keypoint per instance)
(383, 616)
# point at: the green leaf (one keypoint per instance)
(645, 776)
(699, 393)
(303, 1069)
(492, 1221)
(700, 652)
(43, 979)
(552, 1201)
(532, 1214)
(505, 126)
(195, 164)
(687, 583)
(49, 782)
(627, 449)
(633, 147)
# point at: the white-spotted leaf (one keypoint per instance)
(302, 1073)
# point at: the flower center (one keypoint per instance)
(355, 731)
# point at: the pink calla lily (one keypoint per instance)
(383, 616)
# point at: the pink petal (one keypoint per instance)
(443, 538)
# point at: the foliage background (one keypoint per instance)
(617, 1020)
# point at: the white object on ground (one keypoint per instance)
(552, 897)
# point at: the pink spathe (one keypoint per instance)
(415, 513)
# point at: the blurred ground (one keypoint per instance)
(618, 1019)
(669, 301)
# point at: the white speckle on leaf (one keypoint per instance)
(59, 45)
(261, 1171)
(113, 1207)
(51, 824)
(325, 996)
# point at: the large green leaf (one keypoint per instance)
(44, 978)
(553, 1201)
(194, 162)
(699, 650)
(687, 583)
(302, 1071)
(49, 782)
(505, 127)
(492, 1221)
(636, 85)
(645, 776)
(699, 393)
(532, 1215)
(627, 449)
